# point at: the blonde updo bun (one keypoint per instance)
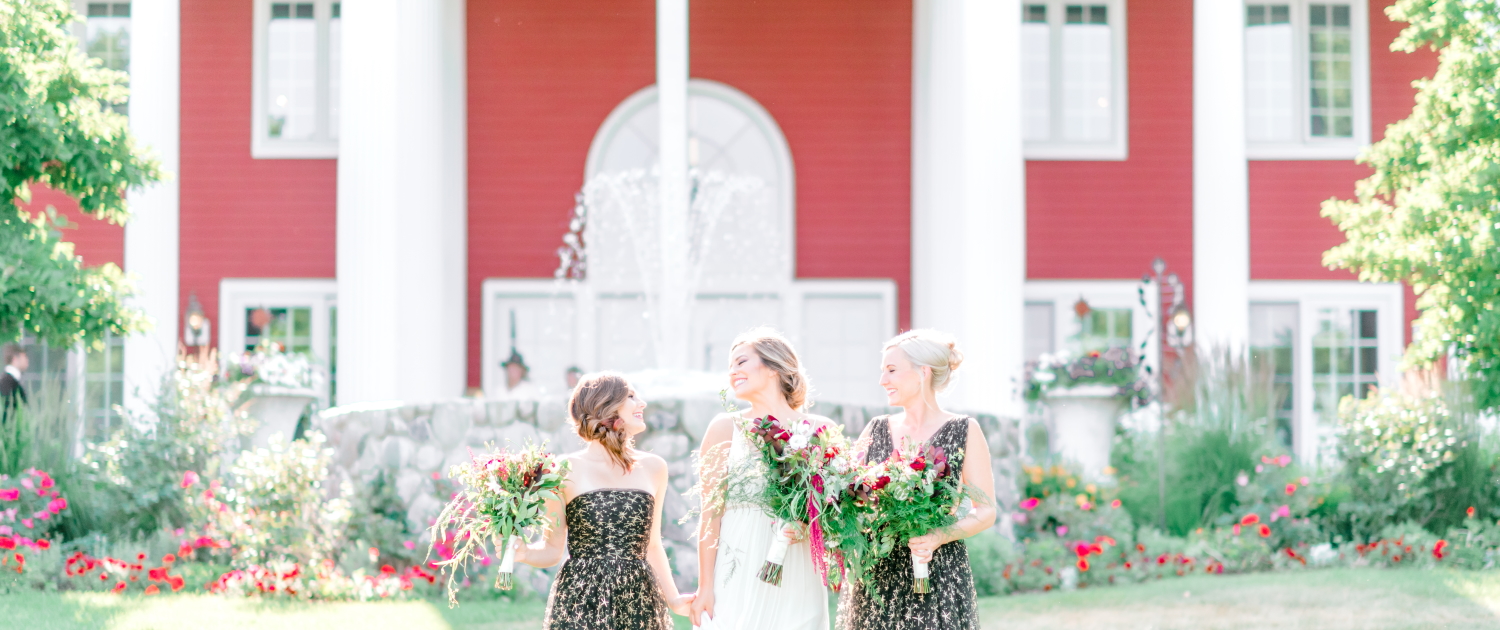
(931, 349)
(776, 353)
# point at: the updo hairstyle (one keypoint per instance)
(776, 353)
(931, 349)
(594, 410)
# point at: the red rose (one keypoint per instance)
(918, 464)
(882, 482)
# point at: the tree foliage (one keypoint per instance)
(58, 129)
(1430, 214)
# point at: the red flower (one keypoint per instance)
(120, 587)
(168, 559)
(1140, 548)
(152, 590)
(189, 478)
(1082, 549)
(1250, 519)
(1101, 540)
(1030, 503)
(175, 581)
(140, 556)
(918, 465)
(1115, 504)
(6, 542)
(1265, 530)
(1236, 529)
(1291, 488)
(1083, 564)
(387, 569)
(43, 544)
(57, 505)
(157, 574)
(1470, 511)
(10, 494)
(1437, 549)
(881, 482)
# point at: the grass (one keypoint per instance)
(1341, 599)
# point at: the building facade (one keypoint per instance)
(384, 184)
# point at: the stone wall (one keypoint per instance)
(415, 444)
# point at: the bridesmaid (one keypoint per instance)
(916, 366)
(617, 576)
(733, 540)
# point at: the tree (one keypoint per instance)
(57, 129)
(1430, 214)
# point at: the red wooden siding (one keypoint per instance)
(836, 75)
(241, 217)
(1109, 219)
(543, 75)
(97, 241)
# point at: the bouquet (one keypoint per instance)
(504, 494)
(910, 494)
(779, 496)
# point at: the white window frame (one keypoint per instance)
(1111, 294)
(1311, 148)
(585, 301)
(262, 146)
(1118, 148)
(237, 294)
(1387, 299)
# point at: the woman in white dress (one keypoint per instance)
(734, 536)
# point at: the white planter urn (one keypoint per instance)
(276, 410)
(1083, 425)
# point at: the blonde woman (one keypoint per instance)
(734, 537)
(916, 366)
(617, 576)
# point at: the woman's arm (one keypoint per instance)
(549, 550)
(656, 554)
(979, 477)
(713, 465)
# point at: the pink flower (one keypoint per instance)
(1062, 530)
(189, 478)
(1285, 511)
(1284, 461)
(26, 483)
(1031, 503)
(10, 494)
(409, 544)
(1304, 481)
(27, 523)
(57, 505)
(1236, 529)
(1291, 488)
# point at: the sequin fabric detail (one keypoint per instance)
(606, 584)
(951, 604)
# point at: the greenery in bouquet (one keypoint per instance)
(504, 494)
(1113, 368)
(912, 493)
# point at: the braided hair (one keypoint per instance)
(594, 410)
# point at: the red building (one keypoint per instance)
(384, 183)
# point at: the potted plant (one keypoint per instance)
(1085, 394)
(281, 387)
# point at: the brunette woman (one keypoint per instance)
(735, 536)
(914, 367)
(616, 576)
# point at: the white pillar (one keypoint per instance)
(151, 236)
(969, 191)
(1221, 188)
(401, 202)
(674, 303)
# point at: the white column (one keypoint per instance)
(674, 303)
(151, 236)
(969, 191)
(1221, 188)
(401, 215)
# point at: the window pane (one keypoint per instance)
(1036, 78)
(1273, 335)
(1034, 13)
(1098, 14)
(1039, 332)
(1074, 14)
(107, 34)
(291, 72)
(335, 70)
(1345, 361)
(1101, 329)
(1087, 79)
(1255, 14)
(1281, 14)
(1270, 81)
(1330, 72)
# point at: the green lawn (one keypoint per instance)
(1316, 600)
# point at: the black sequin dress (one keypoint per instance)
(951, 604)
(606, 584)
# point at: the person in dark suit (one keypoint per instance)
(12, 393)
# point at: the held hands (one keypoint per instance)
(923, 546)
(683, 605)
(795, 532)
(703, 607)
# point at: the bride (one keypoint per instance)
(734, 536)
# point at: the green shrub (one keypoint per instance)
(278, 507)
(1410, 458)
(138, 477)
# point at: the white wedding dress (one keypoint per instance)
(741, 600)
